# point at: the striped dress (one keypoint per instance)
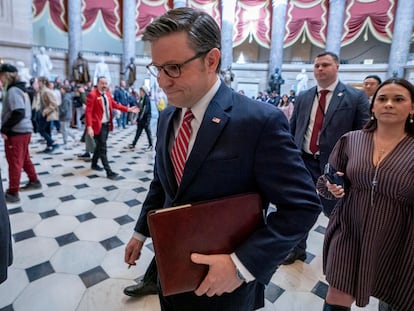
(369, 242)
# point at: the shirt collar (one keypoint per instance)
(200, 107)
(330, 88)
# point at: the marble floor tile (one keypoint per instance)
(78, 257)
(9, 291)
(34, 251)
(24, 221)
(75, 207)
(57, 291)
(56, 226)
(110, 210)
(97, 229)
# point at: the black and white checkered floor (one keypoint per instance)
(69, 236)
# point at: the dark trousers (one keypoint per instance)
(140, 128)
(314, 168)
(247, 297)
(151, 274)
(44, 129)
(101, 148)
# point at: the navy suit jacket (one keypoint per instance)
(348, 110)
(6, 253)
(242, 146)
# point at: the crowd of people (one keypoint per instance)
(55, 110)
(366, 136)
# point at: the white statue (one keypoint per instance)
(102, 70)
(24, 73)
(302, 79)
(43, 65)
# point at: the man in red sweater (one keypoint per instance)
(98, 116)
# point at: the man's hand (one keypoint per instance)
(133, 251)
(4, 136)
(221, 277)
(89, 130)
(134, 109)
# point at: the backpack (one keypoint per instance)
(77, 101)
(62, 111)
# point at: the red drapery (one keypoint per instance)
(148, 10)
(360, 19)
(211, 7)
(305, 19)
(252, 22)
(57, 12)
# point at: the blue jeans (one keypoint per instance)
(124, 119)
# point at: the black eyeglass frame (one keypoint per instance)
(177, 66)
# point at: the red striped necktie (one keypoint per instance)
(180, 147)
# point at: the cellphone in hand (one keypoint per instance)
(332, 176)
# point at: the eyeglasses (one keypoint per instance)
(171, 70)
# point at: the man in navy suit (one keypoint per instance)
(236, 146)
(346, 109)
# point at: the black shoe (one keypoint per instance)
(49, 149)
(97, 168)
(112, 175)
(84, 156)
(12, 198)
(31, 185)
(141, 289)
(293, 256)
(149, 148)
(131, 146)
(329, 307)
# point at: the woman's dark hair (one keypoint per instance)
(372, 123)
(203, 32)
(282, 103)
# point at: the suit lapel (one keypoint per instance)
(335, 102)
(214, 122)
(307, 109)
(165, 158)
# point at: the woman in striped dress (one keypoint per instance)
(369, 242)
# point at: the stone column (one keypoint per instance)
(401, 38)
(75, 32)
(335, 26)
(278, 34)
(129, 33)
(180, 3)
(227, 23)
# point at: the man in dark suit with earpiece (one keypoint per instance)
(321, 116)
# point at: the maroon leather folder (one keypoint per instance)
(210, 227)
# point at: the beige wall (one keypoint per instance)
(15, 30)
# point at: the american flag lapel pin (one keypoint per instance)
(216, 120)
